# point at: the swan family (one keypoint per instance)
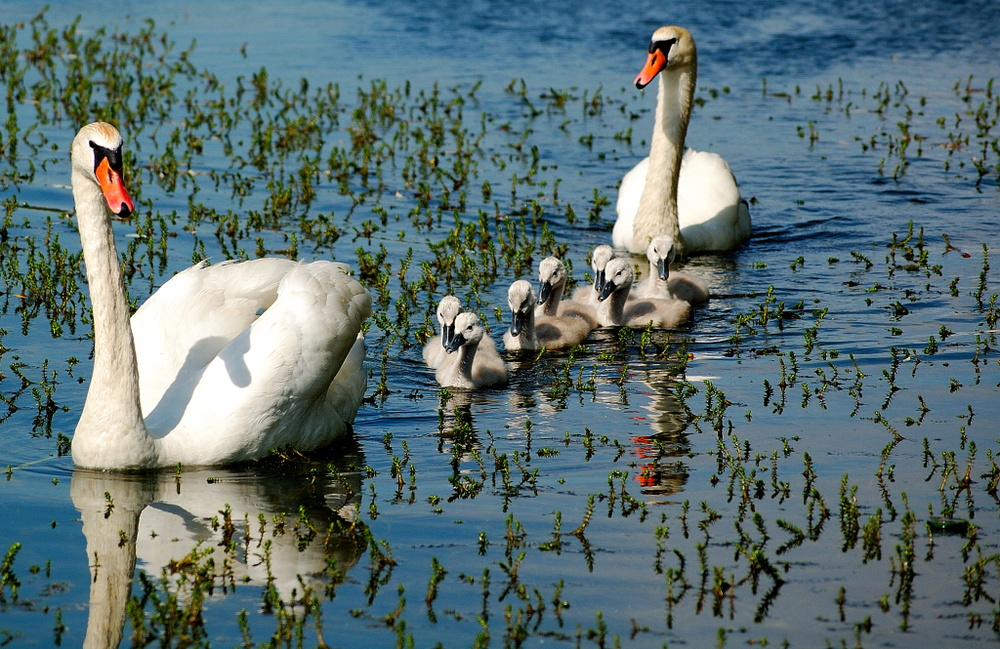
(226, 362)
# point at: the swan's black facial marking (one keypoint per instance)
(663, 46)
(113, 156)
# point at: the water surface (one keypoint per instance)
(722, 493)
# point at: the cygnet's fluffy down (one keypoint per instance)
(434, 351)
(551, 285)
(470, 364)
(663, 283)
(528, 331)
(616, 311)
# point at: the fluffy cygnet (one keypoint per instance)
(528, 331)
(616, 310)
(469, 364)
(434, 351)
(663, 283)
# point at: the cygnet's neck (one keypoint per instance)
(611, 312)
(551, 306)
(661, 288)
(466, 358)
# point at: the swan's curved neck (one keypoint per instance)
(111, 432)
(657, 211)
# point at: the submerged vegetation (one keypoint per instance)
(772, 467)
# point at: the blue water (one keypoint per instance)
(759, 68)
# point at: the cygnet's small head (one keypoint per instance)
(670, 47)
(521, 299)
(551, 275)
(598, 261)
(448, 309)
(97, 154)
(620, 275)
(468, 331)
(661, 252)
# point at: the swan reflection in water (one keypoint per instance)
(661, 471)
(542, 387)
(288, 530)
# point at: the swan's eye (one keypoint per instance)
(113, 156)
(663, 46)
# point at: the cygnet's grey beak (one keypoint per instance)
(609, 288)
(517, 323)
(447, 333)
(599, 280)
(456, 342)
(663, 268)
(544, 292)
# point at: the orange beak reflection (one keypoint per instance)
(114, 190)
(654, 63)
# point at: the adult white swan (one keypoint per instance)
(690, 196)
(227, 362)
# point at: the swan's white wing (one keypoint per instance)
(269, 386)
(709, 209)
(184, 324)
(348, 387)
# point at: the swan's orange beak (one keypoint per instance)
(654, 63)
(114, 190)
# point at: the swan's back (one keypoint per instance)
(711, 213)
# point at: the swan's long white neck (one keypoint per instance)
(111, 432)
(657, 211)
